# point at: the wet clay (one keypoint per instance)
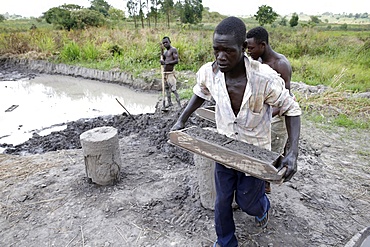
(247, 149)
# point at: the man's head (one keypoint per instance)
(166, 42)
(229, 43)
(232, 26)
(257, 41)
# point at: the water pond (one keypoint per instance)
(43, 104)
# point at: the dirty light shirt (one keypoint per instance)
(264, 88)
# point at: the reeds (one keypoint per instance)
(316, 55)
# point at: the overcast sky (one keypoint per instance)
(229, 7)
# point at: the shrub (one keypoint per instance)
(70, 52)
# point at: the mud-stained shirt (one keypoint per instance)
(265, 88)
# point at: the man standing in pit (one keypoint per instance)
(169, 59)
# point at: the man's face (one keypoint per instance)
(166, 43)
(255, 49)
(227, 52)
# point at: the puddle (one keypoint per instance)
(42, 104)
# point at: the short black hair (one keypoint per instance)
(260, 34)
(166, 37)
(234, 26)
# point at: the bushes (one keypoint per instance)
(14, 43)
(71, 52)
(43, 41)
(317, 57)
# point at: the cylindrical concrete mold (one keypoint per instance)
(279, 134)
(361, 239)
(102, 155)
(206, 179)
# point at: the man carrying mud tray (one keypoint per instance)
(245, 92)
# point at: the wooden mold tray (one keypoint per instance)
(207, 113)
(241, 156)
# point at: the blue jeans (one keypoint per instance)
(249, 195)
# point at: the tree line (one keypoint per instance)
(185, 11)
(142, 12)
(149, 13)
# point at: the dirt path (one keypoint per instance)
(46, 199)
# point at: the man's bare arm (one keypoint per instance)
(194, 103)
(284, 68)
(285, 71)
(293, 126)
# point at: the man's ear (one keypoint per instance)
(245, 45)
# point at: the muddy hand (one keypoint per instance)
(290, 163)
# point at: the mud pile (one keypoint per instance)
(154, 126)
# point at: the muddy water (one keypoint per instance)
(43, 104)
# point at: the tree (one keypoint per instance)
(141, 13)
(191, 11)
(343, 26)
(154, 11)
(70, 7)
(283, 21)
(294, 20)
(2, 18)
(167, 8)
(69, 16)
(59, 16)
(147, 6)
(84, 18)
(100, 6)
(132, 9)
(315, 19)
(116, 14)
(265, 15)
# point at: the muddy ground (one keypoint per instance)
(46, 199)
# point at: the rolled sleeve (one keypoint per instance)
(201, 88)
(280, 97)
(293, 111)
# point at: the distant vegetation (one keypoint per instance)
(328, 49)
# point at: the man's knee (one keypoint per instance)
(251, 198)
(255, 208)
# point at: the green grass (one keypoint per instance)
(318, 56)
(71, 52)
(364, 153)
(186, 93)
(333, 57)
(23, 25)
(344, 121)
(336, 107)
(341, 120)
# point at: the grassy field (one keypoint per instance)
(335, 57)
